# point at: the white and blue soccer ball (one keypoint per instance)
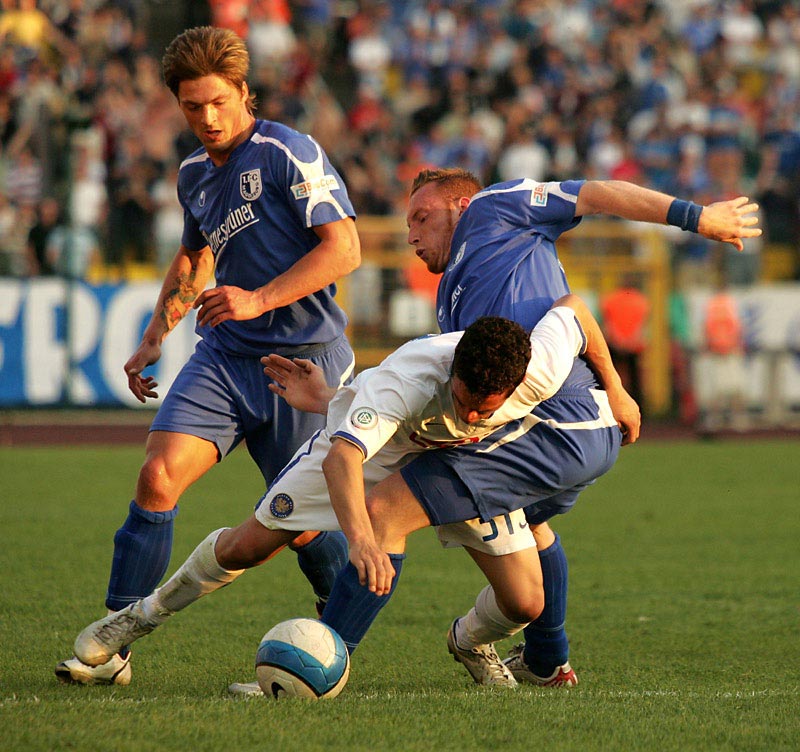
(302, 658)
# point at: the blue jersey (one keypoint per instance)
(256, 212)
(503, 259)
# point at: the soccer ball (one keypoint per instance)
(302, 658)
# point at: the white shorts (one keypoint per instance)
(298, 500)
(505, 534)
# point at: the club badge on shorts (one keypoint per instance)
(281, 506)
(250, 184)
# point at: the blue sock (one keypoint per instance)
(322, 559)
(142, 547)
(546, 643)
(352, 608)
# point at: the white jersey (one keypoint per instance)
(405, 405)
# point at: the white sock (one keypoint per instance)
(199, 575)
(485, 623)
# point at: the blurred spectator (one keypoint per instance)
(15, 223)
(369, 51)
(30, 31)
(71, 250)
(48, 217)
(724, 346)
(88, 199)
(523, 157)
(168, 219)
(24, 178)
(231, 14)
(625, 313)
(270, 38)
(778, 196)
(683, 395)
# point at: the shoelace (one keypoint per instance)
(496, 667)
(122, 623)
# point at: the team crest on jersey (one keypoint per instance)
(250, 184)
(364, 417)
(459, 254)
(539, 195)
(281, 506)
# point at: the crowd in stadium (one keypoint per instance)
(699, 99)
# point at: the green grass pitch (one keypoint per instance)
(684, 619)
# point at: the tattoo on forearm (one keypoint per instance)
(179, 299)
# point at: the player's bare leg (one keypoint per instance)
(546, 645)
(503, 608)
(173, 461)
(142, 546)
(203, 572)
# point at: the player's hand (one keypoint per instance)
(299, 381)
(730, 221)
(227, 303)
(142, 387)
(375, 570)
(627, 414)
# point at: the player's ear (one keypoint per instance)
(463, 203)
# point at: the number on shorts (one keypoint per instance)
(493, 525)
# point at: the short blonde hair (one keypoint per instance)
(206, 51)
(453, 180)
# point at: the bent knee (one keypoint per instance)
(522, 608)
(156, 489)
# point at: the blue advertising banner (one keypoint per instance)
(65, 343)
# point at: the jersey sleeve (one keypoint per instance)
(383, 402)
(315, 190)
(555, 343)
(548, 208)
(396, 392)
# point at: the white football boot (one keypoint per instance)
(245, 689)
(482, 662)
(103, 639)
(115, 671)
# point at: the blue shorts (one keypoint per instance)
(540, 463)
(225, 398)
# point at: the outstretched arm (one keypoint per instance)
(597, 355)
(727, 221)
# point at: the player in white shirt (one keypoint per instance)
(433, 392)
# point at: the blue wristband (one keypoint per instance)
(684, 214)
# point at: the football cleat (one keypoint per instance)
(562, 676)
(482, 662)
(103, 639)
(115, 671)
(245, 689)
